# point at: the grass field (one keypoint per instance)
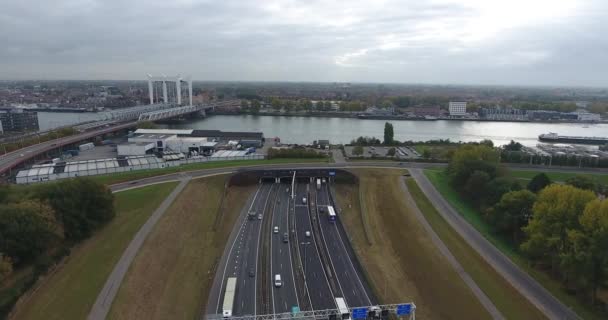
(558, 176)
(171, 276)
(402, 264)
(132, 175)
(504, 296)
(71, 290)
(439, 180)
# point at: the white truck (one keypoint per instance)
(229, 297)
(318, 184)
(343, 308)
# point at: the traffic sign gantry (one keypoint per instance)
(404, 309)
(359, 313)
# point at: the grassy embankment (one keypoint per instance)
(402, 263)
(70, 291)
(440, 181)
(171, 276)
(504, 296)
(557, 176)
(140, 174)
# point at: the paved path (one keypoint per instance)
(483, 298)
(110, 289)
(526, 285)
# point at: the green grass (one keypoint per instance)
(69, 293)
(140, 174)
(558, 176)
(440, 181)
(504, 296)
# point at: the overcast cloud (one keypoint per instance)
(538, 42)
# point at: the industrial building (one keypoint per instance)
(190, 142)
(503, 114)
(63, 170)
(458, 109)
(18, 120)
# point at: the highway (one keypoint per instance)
(242, 256)
(351, 283)
(320, 294)
(281, 257)
(317, 283)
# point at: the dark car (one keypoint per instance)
(251, 272)
(285, 237)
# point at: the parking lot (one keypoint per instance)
(369, 152)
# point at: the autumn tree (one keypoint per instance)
(512, 213)
(556, 211)
(538, 182)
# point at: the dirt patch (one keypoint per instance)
(171, 276)
(402, 264)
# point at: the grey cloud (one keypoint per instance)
(383, 41)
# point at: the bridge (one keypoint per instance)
(173, 112)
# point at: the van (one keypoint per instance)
(277, 281)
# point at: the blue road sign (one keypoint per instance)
(359, 313)
(332, 173)
(404, 309)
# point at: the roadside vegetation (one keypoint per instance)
(40, 224)
(70, 289)
(401, 262)
(35, 139)
(171, 276)
(110, 179)
(296, 153)
(504, 296)
(558, 233)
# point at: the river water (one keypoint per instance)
(304, 130)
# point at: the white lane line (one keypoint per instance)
(257, 251)
(295, 226)
(230, 253)
(369, 302)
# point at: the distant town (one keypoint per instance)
(20, 100)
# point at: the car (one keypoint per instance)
(304, 200)
(307, 233)
(322, 209)
(276, 229)
(285, 237)
(259, 216)
(251, 272)
(277, 280)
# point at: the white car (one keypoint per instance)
(304, 200)
(276, 229)
(307, 233)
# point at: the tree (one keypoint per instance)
(468, 158)
(426, 153)
(555, 212)
(388, 133)
(147, 125)
(25, 233)
(512, 213)
(358, 150)
(82, 205)
(497, 187)
(275, 104)
(538, 182)
(476, 184)
(255, 106)
(586, 261)
(6, 267)
(244, 105)
(391, 152)
(327, 105)
(320, 106)
(487, 142)
(513, 146)
(581, 182)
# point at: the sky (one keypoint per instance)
(477, 42)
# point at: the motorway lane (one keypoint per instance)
(244, 257)
(350, 281)
(284, 297)
(319, 289)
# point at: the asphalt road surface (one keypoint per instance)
(317, 283)
(351, 283)
(285, 297)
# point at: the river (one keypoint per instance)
(304, 130)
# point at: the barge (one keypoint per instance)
(556, 138)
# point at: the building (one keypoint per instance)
(503, 114)
(588, 117)
(427, 111)
(458, 109)
(544, 115)
(18, 120)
